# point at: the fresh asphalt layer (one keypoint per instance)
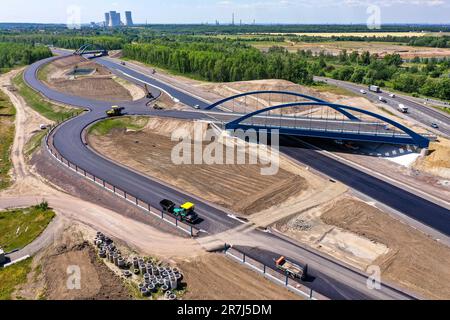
(331, 278)
(423, 114)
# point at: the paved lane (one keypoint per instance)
(332, 278)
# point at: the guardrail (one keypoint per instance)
(193, 232)
(274, 275)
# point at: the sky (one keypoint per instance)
(201, 11)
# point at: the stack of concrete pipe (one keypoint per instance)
(169, 295)
(154, 276)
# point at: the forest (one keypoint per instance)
(226, 60)
(16, 54)
(221, 62)
(65, 41)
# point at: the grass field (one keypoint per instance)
(7, 115)
(445, 109)
(325, 87)
(361, 34)
(19, 227)
(35, 101)
(13, 276)
(34, 142)
(132, 123)
(43, 72)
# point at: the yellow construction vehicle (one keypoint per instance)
(184, 212)
(115, 111)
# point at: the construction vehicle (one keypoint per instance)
(115, 111)
(293, 270)
(185, 212)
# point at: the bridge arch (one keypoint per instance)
(418, 139)
(90, 48)
(288, 93)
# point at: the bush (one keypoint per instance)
(43, 206)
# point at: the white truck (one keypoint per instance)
(375, 89)
(402, 108)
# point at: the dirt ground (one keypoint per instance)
(380, 48)
(100, 84)
(207, 276)
(438, 162)
(214, 276)
(53, 267)
(362, 235)
(241, 188)
(307, 227)
(70, 249)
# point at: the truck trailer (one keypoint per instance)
(291, 269)
(375, 89)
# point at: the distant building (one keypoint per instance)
(107, 19)
(114, 19)
(129, 19)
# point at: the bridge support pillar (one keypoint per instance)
(424, 152)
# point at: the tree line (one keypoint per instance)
(427, 76)
(226, 60)
(220, 62)
(65, 41)
(15, 54)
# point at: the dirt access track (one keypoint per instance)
(363, 235)
(208, 276)
(90, 80)
(239, 187)
(81, 219)
(380, 48)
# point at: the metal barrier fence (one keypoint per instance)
(275, 276)
(193, 232)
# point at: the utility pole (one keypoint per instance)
(232, 21)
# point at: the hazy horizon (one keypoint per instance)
(203, 11)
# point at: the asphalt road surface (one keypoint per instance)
(331, 278)
(419, 112)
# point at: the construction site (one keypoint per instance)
(136, 256)
(80, 77)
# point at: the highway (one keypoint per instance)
(418, 112)
(331, 278)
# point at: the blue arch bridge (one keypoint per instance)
(293, 113)
(91, 49)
